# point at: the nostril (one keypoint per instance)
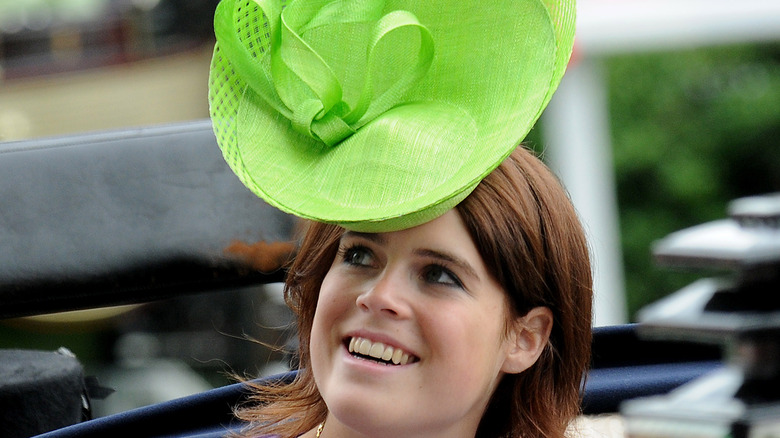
(390, 311)
(362, 301)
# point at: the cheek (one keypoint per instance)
(469, 359)
(333, 294)
(332, 303)
(468, 335)
(482, 337)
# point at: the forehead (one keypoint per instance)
(449, 225)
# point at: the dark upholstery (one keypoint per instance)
(39, 391)
(123, 217)
(625, 366)
(207, 414)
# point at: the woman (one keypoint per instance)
(443, 289)
(515, 237)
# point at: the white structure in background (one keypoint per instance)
(577, 120)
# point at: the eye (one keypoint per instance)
(357, 256)
(437, 274)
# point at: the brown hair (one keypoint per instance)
(528, 235)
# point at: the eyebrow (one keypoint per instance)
(373, 237)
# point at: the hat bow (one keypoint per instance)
(289, 74)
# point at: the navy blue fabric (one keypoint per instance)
(624, 366)
(606, 388)
(207, 414)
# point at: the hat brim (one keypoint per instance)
(421, 157)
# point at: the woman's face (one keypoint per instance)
(409, 335)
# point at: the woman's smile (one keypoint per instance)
(379, 352)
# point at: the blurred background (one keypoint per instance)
(669, 110)
(73, 66)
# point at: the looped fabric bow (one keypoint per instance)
(298, 83)
(379, 115)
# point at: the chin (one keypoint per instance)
(370, 416)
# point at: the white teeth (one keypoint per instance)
(378, 350)
(397, 356)
(388, 354)
(364, 347)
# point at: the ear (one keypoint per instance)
(527, 338)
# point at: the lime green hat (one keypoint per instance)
(380, 115)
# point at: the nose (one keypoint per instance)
(388, 296)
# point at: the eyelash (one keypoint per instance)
(442, 270)
(347, 252)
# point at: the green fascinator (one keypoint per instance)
(380, 115)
